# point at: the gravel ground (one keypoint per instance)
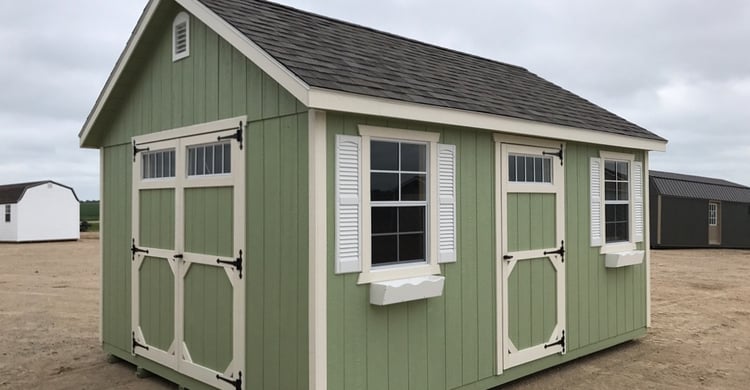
(49, 316)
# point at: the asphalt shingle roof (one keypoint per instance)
(697, 187)
(336, 55)
(12, 193)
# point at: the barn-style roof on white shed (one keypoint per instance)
(334, 65)
(13, 193)
(698, 187)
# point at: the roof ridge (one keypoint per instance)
(394, 35)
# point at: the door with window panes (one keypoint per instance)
(188, 266)
(531, 258)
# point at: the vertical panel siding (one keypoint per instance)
(449, 342)
(156, 218)
(156, 302)
(209, 222)
(216, 82)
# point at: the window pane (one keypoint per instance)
(383, 156)
(384, 186)
(609, 170)
(411, 219)
(538, 176)
(159, 164)
(529, 169)
(622, 191)
(209, 160)
(144, 166)
(413, 157)
(520, 168)
(411, 247)
(152, 165)
(171, 163)
(384, 249)
(547, 170)
(512, 168)
(227, 158)
(622, 171)
(218, 160)
(610, 190)
(413, 186)
(384, 220)
(200, 161)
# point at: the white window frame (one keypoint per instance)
(182, 17)
(430, 266)
(621, 246)
(713, 214)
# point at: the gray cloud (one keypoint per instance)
(680, 68)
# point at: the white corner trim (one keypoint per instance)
(325, 99)
(101, 246)
(647, 236)
(318, 255)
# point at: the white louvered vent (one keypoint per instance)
(596, 201)
(348, 216)
(447, 203)
(637, 179)
(180, 36)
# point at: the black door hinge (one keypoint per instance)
(236, 263)
(137, 344)
(137, 149)
(237, 135)
(560, 342)
(134, 249)
(559, 154)
(560, 251)
(237, 383)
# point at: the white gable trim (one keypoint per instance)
(330, 100)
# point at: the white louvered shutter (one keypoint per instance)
(447, 203)
(638, 215)
(596, 201)
(348, 215)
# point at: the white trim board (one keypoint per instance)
(330, 100)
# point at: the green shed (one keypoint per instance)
(295, 202)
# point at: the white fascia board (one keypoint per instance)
(268, 64)
(140, 27)
(325, 99)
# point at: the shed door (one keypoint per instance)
(188, 271)
(714, 223)
(531, 263)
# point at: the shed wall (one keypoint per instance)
(48, 212)
(735, 225)
(9, 230)
(216, 82)
(450, 341)
(684, 222)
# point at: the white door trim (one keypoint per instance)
(507, 354)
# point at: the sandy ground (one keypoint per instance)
(700, 339)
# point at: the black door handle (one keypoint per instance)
(507, 257)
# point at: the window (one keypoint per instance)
(210, 159)
(7, 213)
(158, 164)
(616, 201)
(181, 36)
(529, 169)
(617, 207)
(712, 214)
(398, 198)
(395, 214)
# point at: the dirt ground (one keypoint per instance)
(49, 326)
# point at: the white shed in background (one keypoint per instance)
(38, 211)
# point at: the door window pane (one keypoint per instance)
(157, 164)
(209, 159)
(529, 169)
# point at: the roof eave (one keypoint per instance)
(330, 100)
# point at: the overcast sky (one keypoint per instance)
(680, 68)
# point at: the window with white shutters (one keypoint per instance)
(395, 204)
(617, 205)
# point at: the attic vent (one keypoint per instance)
(181, 36)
